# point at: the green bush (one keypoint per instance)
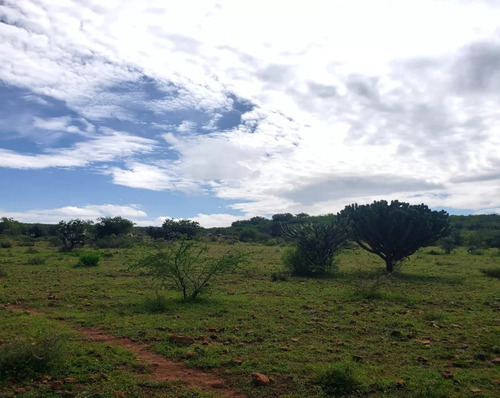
(36, 261)
(187, 266)
(492, 272)
(115, 242)
(89, 260)
(6, 244)
(23, 358)
(314, 248)
(340, 380)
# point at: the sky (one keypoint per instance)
(219, 111)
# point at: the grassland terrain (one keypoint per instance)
(429, 330)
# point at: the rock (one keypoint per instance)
(181, 339)
(447, 374)
(70, 380)
(119, 394)
(294, 340)
(496, 361)
(340, 342)
(476, 391)
(259, 379)
(238, 361)
(20, 390)
(190, 353)
(285, 348)
(56, 385)
(217, 384)
(400, 383)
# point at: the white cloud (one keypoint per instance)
(105, 148)
(88, 212)
(216, 220)
(358, 99)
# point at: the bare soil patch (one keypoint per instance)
(162, 368)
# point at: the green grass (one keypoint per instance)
(436, 313)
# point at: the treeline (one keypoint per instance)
(481, 231)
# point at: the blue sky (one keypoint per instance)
(218, 111)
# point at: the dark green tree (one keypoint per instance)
(73, 233)
(155, 232)
(394, 231)
(181, 228)
(314, 247)
(112, 226)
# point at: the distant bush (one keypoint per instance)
(23, 358)
(36, 261)
(6, 244)
(89, 260)
(27, 241)
(115, 242)
(448, 243)
(475, 250)
(187, 266)
(340, 380)
(2, 273)
(492, 272)
(314, 247)
(279, 276)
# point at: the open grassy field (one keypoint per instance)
(430, 330)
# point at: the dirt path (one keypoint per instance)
(163, 369)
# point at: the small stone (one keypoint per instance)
(447, 374)
(476, 391)
(20, 390)
(340, 342)
(295, 340)
(217, 384)
(238, 361)
(119, 394)
(56, 385)
(181, 339)
(285, 348)
(400, 383)
(70, 380)
(496, 361)
(190, 353)
(259, 379)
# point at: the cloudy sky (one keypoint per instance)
(226, 110)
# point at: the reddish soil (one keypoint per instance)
(162, 368)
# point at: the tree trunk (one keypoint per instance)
(388, 265)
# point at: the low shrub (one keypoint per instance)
(188, 266)
(492, 272)
(340, 380)
(6, 244)
(2, 273)
(279, 276)
(23, 358)
(89, 260)
(36, 261)
(115, 242)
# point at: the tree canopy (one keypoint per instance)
(396, 230)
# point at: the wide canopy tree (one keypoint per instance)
(396, 230)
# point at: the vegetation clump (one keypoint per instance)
(24, 358)
(314, 247)
(72, 233)
(89, 260)
(187, 266)
(340, 379)
(491, 272)
(394, 231)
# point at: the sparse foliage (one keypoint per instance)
(73, 233)
(315, 247)
(187, 266)
(180, 229)
(112, 226)
(394, 231)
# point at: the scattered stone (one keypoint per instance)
(181, 339)
(238, 361)
(217, 384)
(400, 383)
(447, 374)
(70, 380)
(285, 348)
(119, 394)
(476, 391)
(259, 379)
(496, 361)
(56, 385)
(424, 342)
(294, 340)
(190, 353)
(20, 390)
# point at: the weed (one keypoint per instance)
(6, 244)
(23, 358)
(340, 379)
(89, 260)
(36, 261)
(279, 276)
(158, 304)
(491, 272)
